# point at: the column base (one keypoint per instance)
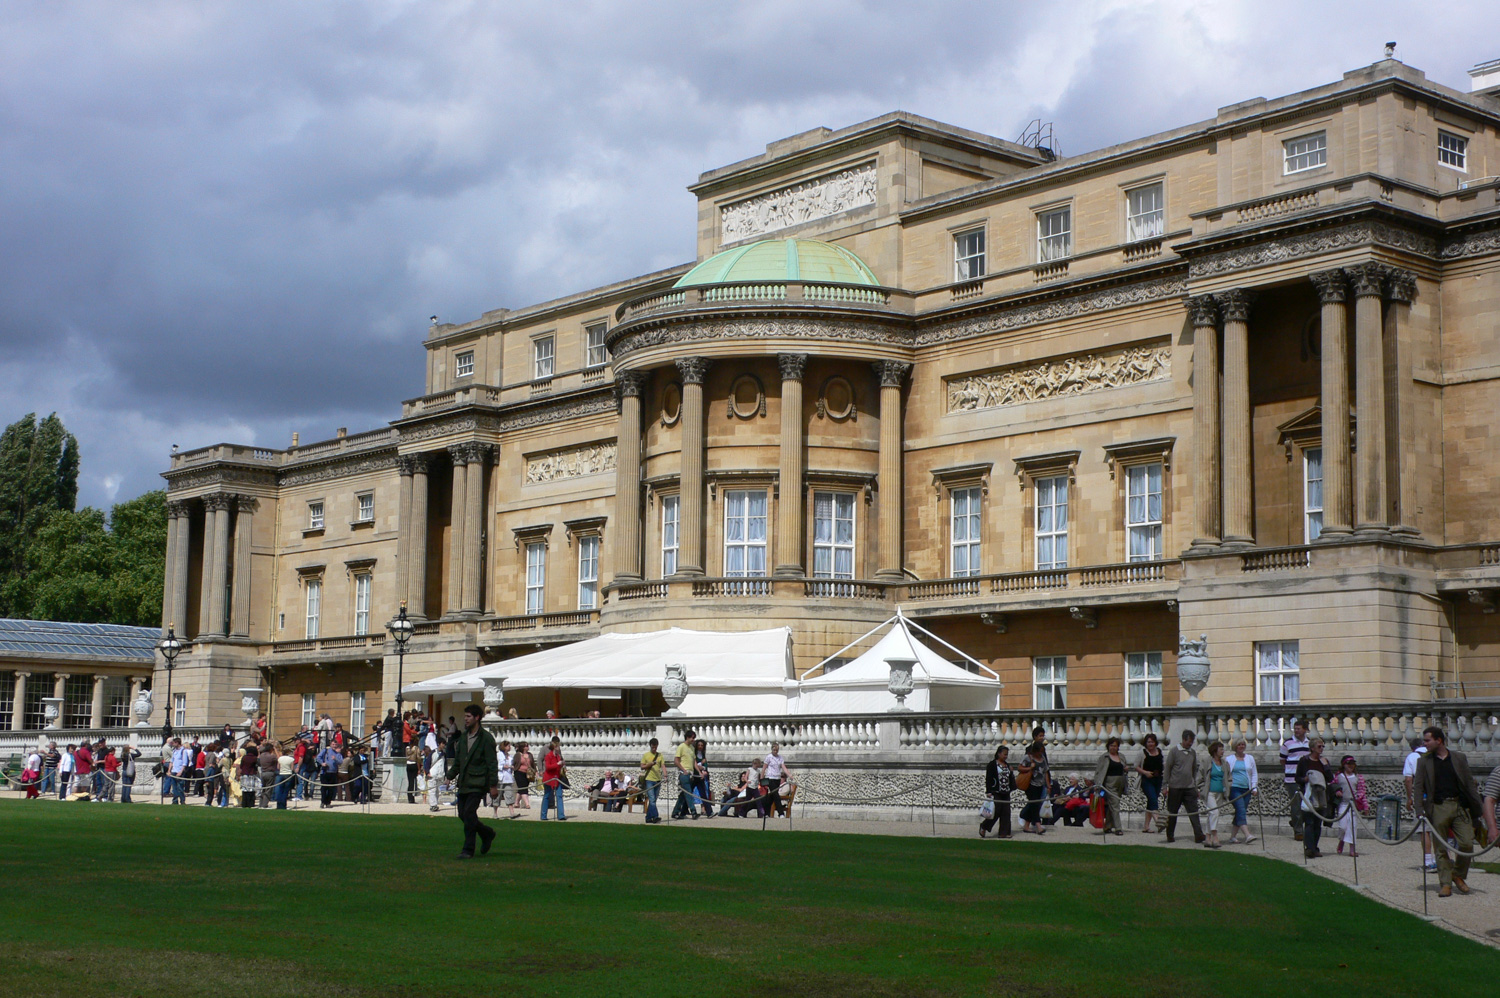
(889, 575)
(1204, 545)
(687, 573)
(1239, 542)
(789, 572)
(1332, 535)
(1371, 529)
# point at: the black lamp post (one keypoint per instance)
(170, 648)
(401, 630)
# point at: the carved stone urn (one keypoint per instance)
(250, 702)
(52, 709)
(674, 689)
(144, 704)
(1193, 669)
(494, 696)
(901, 683)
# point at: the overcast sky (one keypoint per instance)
(231, 221)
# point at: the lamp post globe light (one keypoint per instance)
(401, 629)
(170, 648)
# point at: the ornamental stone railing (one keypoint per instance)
(774, 293)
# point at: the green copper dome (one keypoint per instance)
(781, 260)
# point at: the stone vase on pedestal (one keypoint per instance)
(674, 689)
(52, 709)
(1193, 669)
(494, 696)
(143, 706)
(250, 703)
(901, 683)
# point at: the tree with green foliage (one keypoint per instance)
(80, 567)
(38, 477)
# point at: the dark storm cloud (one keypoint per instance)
(231, 220)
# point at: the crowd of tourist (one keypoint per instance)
(1321, 796)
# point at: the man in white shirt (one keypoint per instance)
(65, 773)
(771, 778)
(1409, 775)
(507, 759)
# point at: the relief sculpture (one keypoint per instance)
(555, 466)
(804, 202)
(1055, 378)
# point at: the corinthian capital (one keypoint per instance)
(179, 507)
(1204, 310)
(246, 504)
(891, 372)
(1331, 285)
(410, 464)
(792, 365)
(1234, 304)
(218, 500)
(1366, 279)
(631, 384)
(693, 369)
(1401, 285)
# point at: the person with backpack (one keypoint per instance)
(998, 781)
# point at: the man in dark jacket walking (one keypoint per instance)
(1446, 793)
(474, 770)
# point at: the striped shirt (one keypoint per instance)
(1492, 785)
(1293, 751)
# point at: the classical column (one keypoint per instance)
(1239, 524)
(690, 550)
(218, 584)
(1365, 280)
(1206, 420)
(789, 506)
(403, 523)
(18, 704)
(456, 522)
(891, 373)
(96, 709)
(177, 569)
(60, 685)
(474, 532)
(629, 385)
(1401, 479)
(1334, 401)
(171, 560)
(206, 570)
(416, 538)
(244, 532)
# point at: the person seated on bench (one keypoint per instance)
(605, 792)
(1075, 804)
(738, 790)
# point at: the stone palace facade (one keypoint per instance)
(1238, 379)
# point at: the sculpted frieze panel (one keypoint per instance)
(574, 462)
(1058, 377)
(804, 202)
(339, 469)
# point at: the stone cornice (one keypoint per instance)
(495, 420)
(1052, 309)
(325, 471)
(759, 326)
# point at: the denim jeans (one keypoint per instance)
(554, 797)
(49, 780)
(1152, 789)
(179, 790)
(685, 796)
(653, 788)
(283, 787)
(1240, 798)
(125, 784)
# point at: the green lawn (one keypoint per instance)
(180, 902)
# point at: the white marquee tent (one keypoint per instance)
(728, 673)
(860, 687)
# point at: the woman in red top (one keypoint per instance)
(553, 771)
(111, 774)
